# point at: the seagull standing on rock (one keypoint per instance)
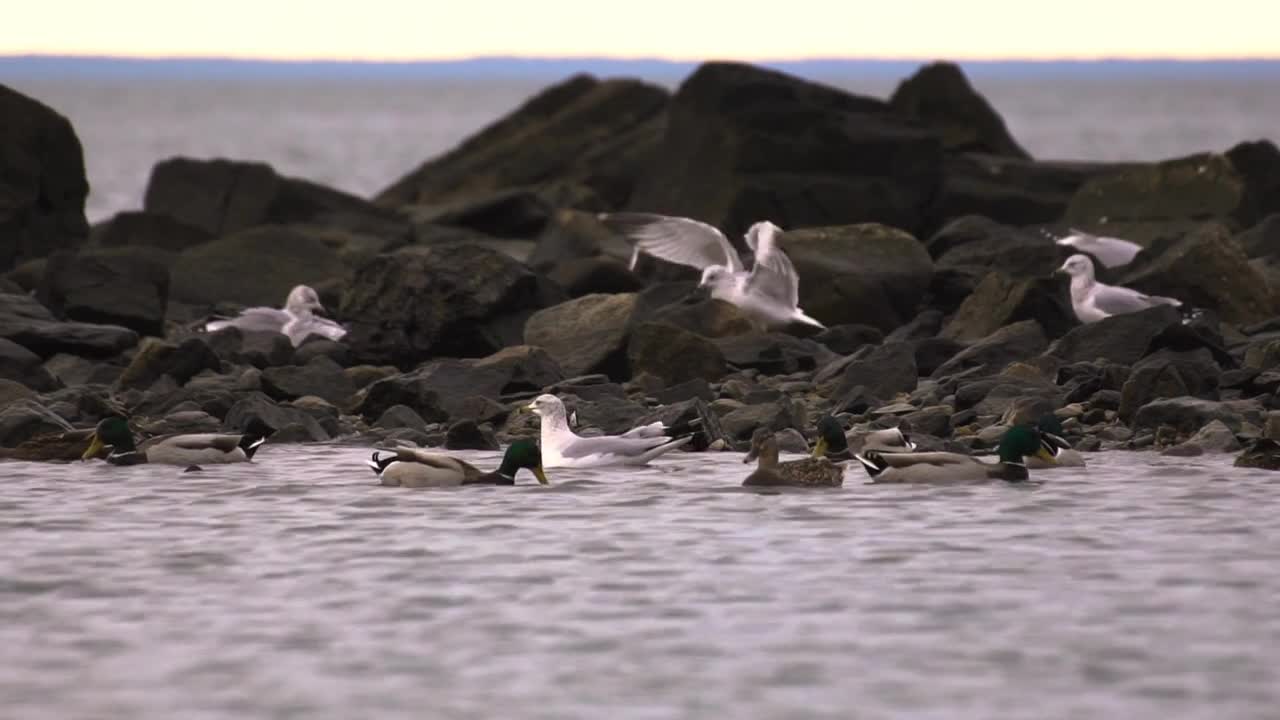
(1093, 301)
(1110, 251)
(297, 320)
(768, 293)
(562, 447)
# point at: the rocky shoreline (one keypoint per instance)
(484, 278)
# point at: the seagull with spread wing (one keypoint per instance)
(768, 293)
(1093, 301)
(1110, 251)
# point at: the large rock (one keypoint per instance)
(1009, 189)
(157, 358)
(256, 411)
(1188, 414)
(42, 182)
(125, 286)
(774, 353)
(1207, 268)
(1121, 338)
(939, 96)
(137, 228)
(1263, 239)
(882, 371)
(225, 196)
(673, 354)
(254, 267)
(977, 245)
(582, 132)
(321, 377)
(780, 415)
(743, 143)
(868, 274)
(1169, 374)
(586, 335)
(1019, 341)
(260, 349)
(1190, 188)
(24, 419)
(448, 300)
(23, 366)
(1000, 300)
(1258, 162)
(31, 325)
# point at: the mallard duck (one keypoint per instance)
(1018, 443)
(1063, 454)
(809, 472)
(833, 443)
(52, 447)
(194, 449)
(411, 467)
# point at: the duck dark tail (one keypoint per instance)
(379, 463)
(250, 442)
(872, 462)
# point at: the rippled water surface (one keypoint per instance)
(1141, 587)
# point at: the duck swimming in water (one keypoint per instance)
(808, 472)
(414, 468)
(193, 449)
(1019, 442)
(1063, 454)
(833, 442)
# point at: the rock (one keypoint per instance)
(1215, 437)
(253, 267)
(604, 415)
(22, 420)
(882, 372)
(1207, 268)
(1169, 374)
(1262, 453)
(707, 317)
(11, 392)
(847, 339)
(673, 354)
(136, 228)
(572, 236)
(1258, 162)
(1009, 189)
(31, 325)
(467, 435)
(289, 423)
(1188, 414)
(774, 353)
(934, 420)
(584, 276)
(41, 180)
(740, 138)
(157, 358)
(320, 377)
(125, 286)
(978, 245)
(587, 334)
(741, 423)
(1263, 239)
(933, 353)
(225, 196)
(791, 440)
(939, 96)
(687, 390)
(259, 349)
(315, 346)
(582, 131)
(450, 300)
(509, 213)
(1122, 339)
(401, 416)
(866, 274)
(1000, 300)
(1189, 188)
(690, 417)
(72, 370)
(184, 421)
(1014, 342)
(23, 366)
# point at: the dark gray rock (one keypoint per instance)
(741, 423)
(467, 435)
(315, 346)
(934, 420)
(254, 267)
(1188, 414)
(1169, 374)
(289, 423)
(687, 390)
(674, 354)
(588, 334)
(31, 325)
(23, 366)
(140, 229)
(1263, 239)
(848, 339)
(1122, 339)
(608, 415)
(320, 377)
(774, 353)
(259, 349)
(157, 358)
(939, 96)
(994, 352)
(882, 371)
(977, 245)
(584, 276)
(22, 420)
(401, 416)
(182, 421)
(124, 286)
(999, 300)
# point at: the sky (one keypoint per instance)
(671, 29)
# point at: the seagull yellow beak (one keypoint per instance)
(541, 475)
(95, 447)
(820, 448)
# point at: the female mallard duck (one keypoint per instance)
(809, 472)
(1018, 442)
(52, 447)
(834, 443)
(194, 449)
(1063, 454)
(411, 467)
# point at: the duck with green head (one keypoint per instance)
(191, 449)
(833, 442)
(1063, 454)
(415, 468)
(769, 472)
(1018, 443)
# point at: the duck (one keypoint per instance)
(415, 468)
(189, 450)
(1064, 455)
(52, 447)
(1018, 442)
(808, 472)
(297, 320)
(833, 443)
(562, 447)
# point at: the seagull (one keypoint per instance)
(1093, 301)
(562, 447)
(768, 293)
(297, 320)
(1110, 251)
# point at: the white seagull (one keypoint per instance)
(297, 320)
(1112, 252)
(1093, 301)
(561, 447)
(768, 293)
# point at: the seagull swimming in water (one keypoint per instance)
(1110, 251)
(768, 293)
(562, 447)
(1093, 301)
(297, 320)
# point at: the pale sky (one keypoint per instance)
(674, 29)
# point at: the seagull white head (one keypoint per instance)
(548, 406)
(714, 276)
(303, 299)
(1078, 267)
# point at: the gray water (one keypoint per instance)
(295, 587)
(361, 135)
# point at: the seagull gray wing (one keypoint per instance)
(1111, 251)
(254, 318)
(1114, 300)
(623, 447)
(772, 274)
(675, 239)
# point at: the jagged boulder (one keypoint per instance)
(1000, 300)
(26, 322)
(939, 96)
(258, 266)
(587, 334)
(124, 286)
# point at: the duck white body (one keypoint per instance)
(562, 447)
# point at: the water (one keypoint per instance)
(361, 135)
(1142, 587)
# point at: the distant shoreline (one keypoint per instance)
(49, 66)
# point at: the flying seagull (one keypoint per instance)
(1110, 251)
(1093, 301)
(768, 293)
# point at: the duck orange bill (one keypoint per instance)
(541, 475)
(95, 447)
